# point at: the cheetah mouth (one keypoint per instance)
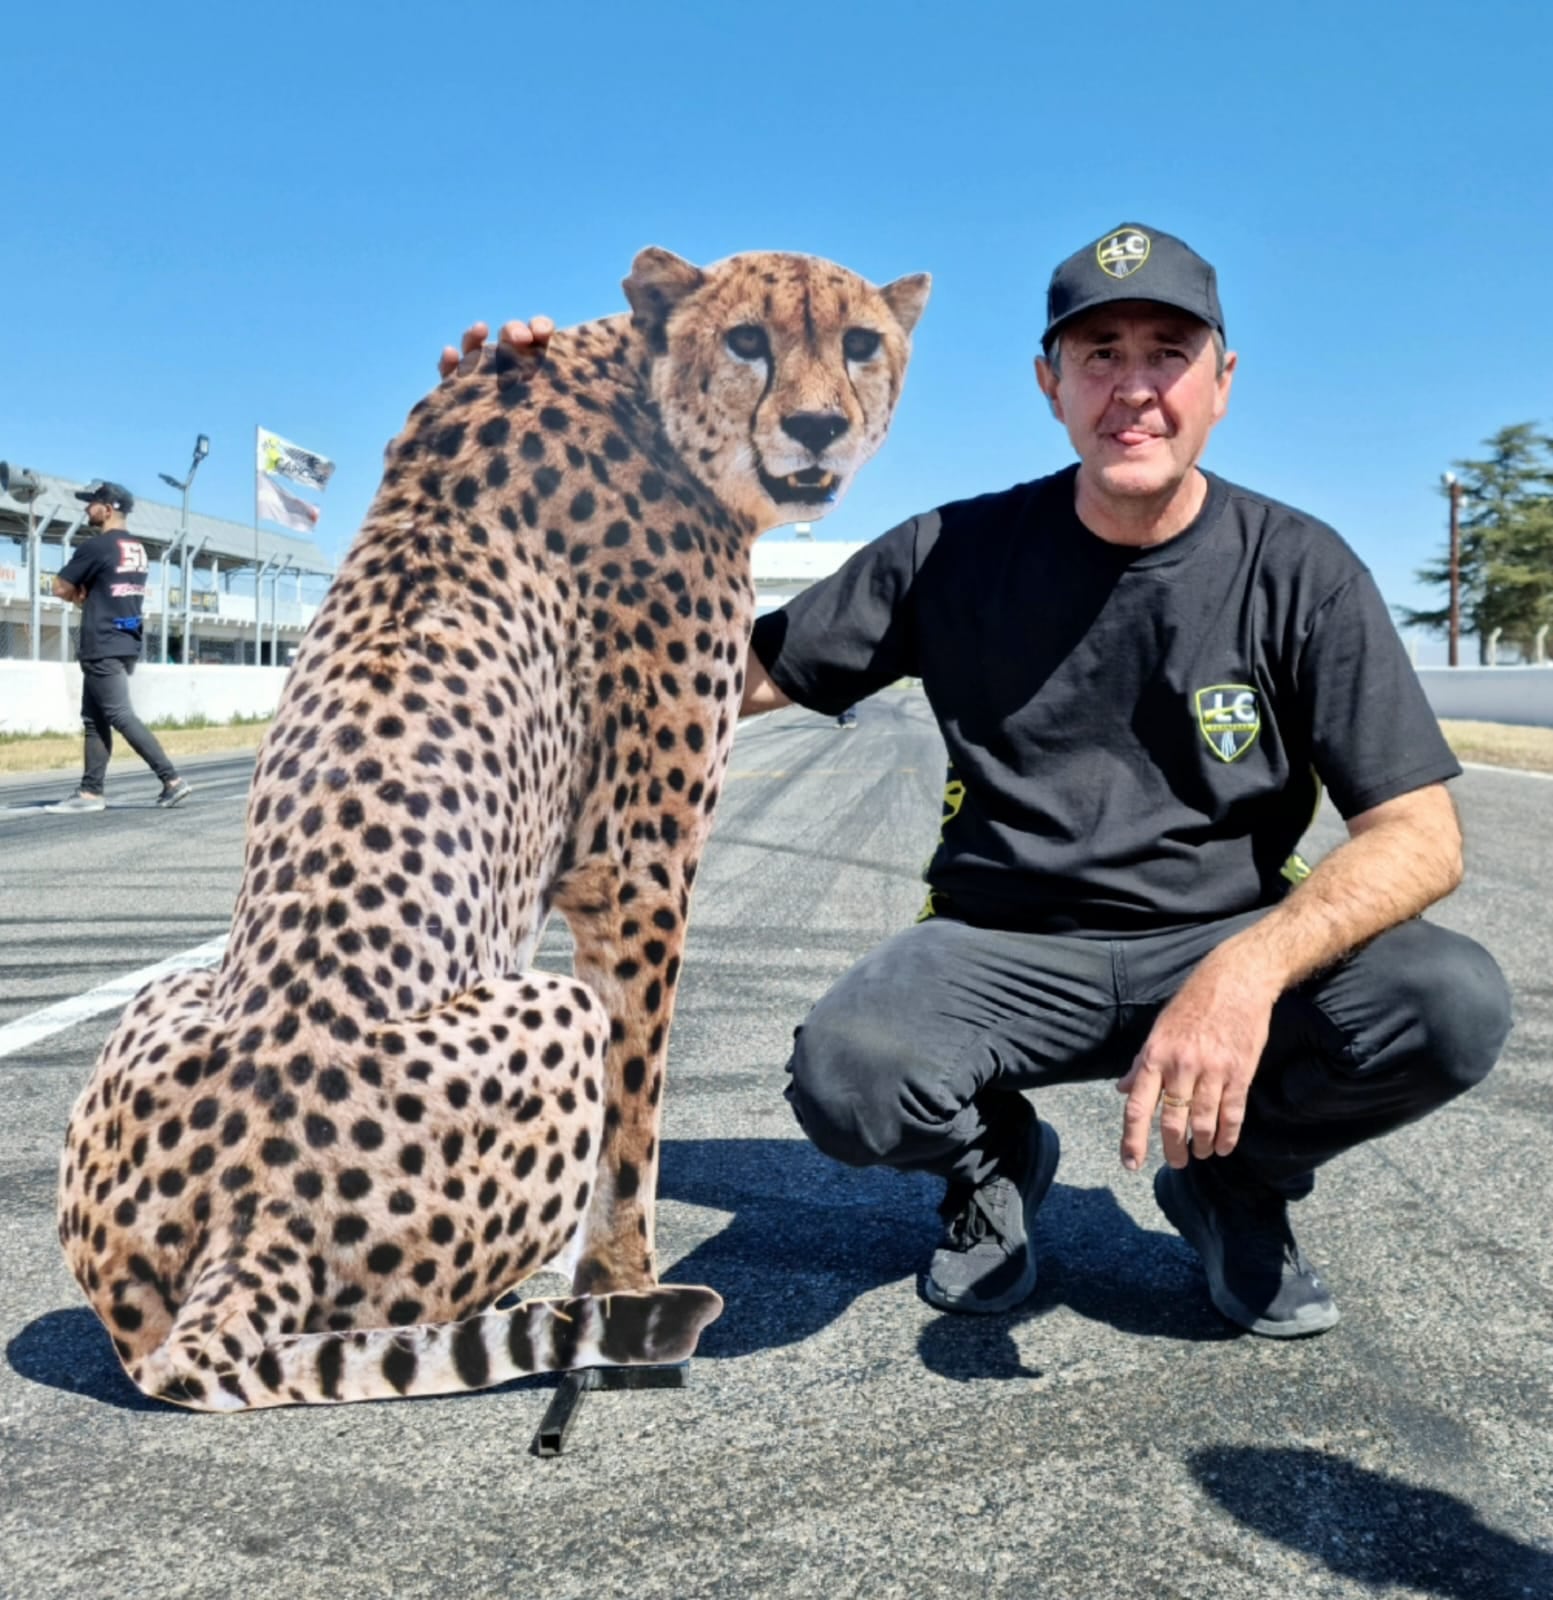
(812, 487)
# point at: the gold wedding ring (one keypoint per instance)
(1175, 1102)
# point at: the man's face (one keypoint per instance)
(1139, 393)
(98, 512)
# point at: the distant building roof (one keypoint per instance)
(156, 525)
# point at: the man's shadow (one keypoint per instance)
(806, 1238)
(809, 1236)
(1373, 1529)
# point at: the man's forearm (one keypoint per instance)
(759, 693)
(1400, 859)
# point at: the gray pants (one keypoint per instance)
(104, 707)
(904, 1062)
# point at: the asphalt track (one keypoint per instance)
(839, 1437)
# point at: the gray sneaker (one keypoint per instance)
(1257, 1276)
(985, 1261)
(81, 800)
(174, 793)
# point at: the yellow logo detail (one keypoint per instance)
(954, 798)
(1229, 717)
(1123, 252)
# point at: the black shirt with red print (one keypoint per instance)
(111, 568)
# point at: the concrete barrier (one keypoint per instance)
(45, 697)
(1491, 694)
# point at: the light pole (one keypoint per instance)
(201, 450)
(21, 483)
(1453, 489)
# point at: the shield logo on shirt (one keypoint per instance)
(1229, 716)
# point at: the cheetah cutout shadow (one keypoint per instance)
(309, 1175)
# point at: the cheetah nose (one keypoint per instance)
(814, 429)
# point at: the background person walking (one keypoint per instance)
(106, 577)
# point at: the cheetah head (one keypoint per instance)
(775, 375)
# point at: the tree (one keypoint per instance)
(1506, 566)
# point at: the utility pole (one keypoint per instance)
(1453, 489)
(201, 450)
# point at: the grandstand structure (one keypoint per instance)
(197, 610)
(786, 567)
(228, 594)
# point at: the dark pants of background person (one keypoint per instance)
(904, 1061)
(104, 707)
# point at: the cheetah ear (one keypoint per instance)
(659, 281)
(906, 297)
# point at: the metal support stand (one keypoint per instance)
(566, 1402)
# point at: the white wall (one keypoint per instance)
(45, 697)
(1491, 694)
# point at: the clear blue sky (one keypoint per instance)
(216, 216)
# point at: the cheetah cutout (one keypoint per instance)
(312, 1174)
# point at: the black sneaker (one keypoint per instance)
(174, 793)
(985, 1261)
(1257, 1276)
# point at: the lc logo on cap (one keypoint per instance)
(1123, 252)
(1229, 718)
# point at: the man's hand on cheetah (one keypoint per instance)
(517, 336)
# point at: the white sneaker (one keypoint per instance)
(81, 800)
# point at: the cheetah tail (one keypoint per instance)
(648, 1327)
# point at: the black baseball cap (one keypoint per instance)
(111, 494)
(1132, 262)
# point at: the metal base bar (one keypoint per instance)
(566, 1402)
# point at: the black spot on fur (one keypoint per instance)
(331, 1365)
(353, 1183)
(399, 1366)
(470, 1360)
(367, 1134)
(383, 1258)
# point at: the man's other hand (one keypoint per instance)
(1197, 1063)
(517, 336)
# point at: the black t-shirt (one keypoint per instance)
(1136, 738)
(111, 567)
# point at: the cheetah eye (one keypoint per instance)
(749, 343)
(858, 344)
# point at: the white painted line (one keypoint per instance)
(1515, 772)
(110, 996)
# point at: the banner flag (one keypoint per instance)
(275, 504)
(277, 455)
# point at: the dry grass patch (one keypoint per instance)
(1501, 745)
(1498, 743)
(55, 752)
